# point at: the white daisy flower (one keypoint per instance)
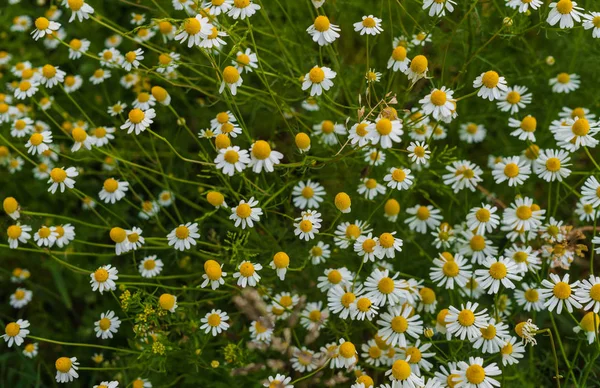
(308, 195)
(418, 152)
(416, 355)
(530, 297)
(573, 134)
(38, 142)
(385, 132)
(31, 350)
(150, 266)
(318, 79)
(588, 293)
(319, 253)
(243, 9)
(439, 103)
(51, 76)
(399, 323)
(132, 59)
(439, 7)
(323, 31)
(448, 270)
(420, 39)
(589, 324)
(20, 298)
(103, 279)
(490, 85)
(246, 214)
(523, 6)
(307, 225)
(592, 21)
(61, 178)
(474, 375)
(232, 79)
(333, 277)
(168, 302)
(403, 376)
(499, 271)
(564, 12)
(327, 131)
(232, 159)
(138, 120)
(523, 214)
(472, 133)
(279, 381)
(263, 157)
(304, 360)
(80, 10)
(513, 169)
(370, 188)
(66, 368)
(113, 190)
(525, 128)
(399, 60)
(26, 88)
(558, 293)
(388, 245)
(245, 60)
(399, 178)
(247, 274)
(213, 274)
(564, 82)
(383, 289)
(515, 97)
(423, 218)
(418, 68)
(215, 40)
(551, 165)
(363, 308)
(45, 237)
(525, 258)
(65, 234)
(463, 174)
(78, 47)
(184, 236)
(15, 332)
(215, 322)
(369, 25)
(194, 30)
(590, 192)
(466, 322)
(107, 325)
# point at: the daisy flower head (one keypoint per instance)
(370, 188)
(184, 236)
(45, 236)
(307, 225)
(373, 355)
(103, 279)
(439, 103)
(386, 131)
(565, 13)
(592, 21)
(167, 63)
(107, 325)
(399, 60)
(304, 360)
(31, 350)
(514, 98)
(51, 76)
(194, 30)
(134, 236)
(113, 190)
(399, 178)
(513, 169)
(474, 375)
(308, 195)
(524, 129)
(398, 324)
(215, 7)
(15, 332)
(530, 297)
(319, 253)
(38, 142)
(21, 127)
(423, 217)
(66, 368)
(551, 165)
(323, 31)
(448, 270)
(383, 289)
(472, 133)
(280, 263)
(11, 207)
(588, 294)
(466, 322)
(523, 6)
(132, 59)
(20, 298)
(333, 277)
(483, 219)
(138, 120)
(498, 272)
(26, 88)
(564, 82)
(61, 178)
(418, 68)
(81, 139)
(573, 134)
(168, 302)
(340, 300)
(79, 8)
(232, 159)
(279, 381)
(44, 27)
(245, 60)
(232, 79)
(525, 258)
(247, 274)
(439, 7)
(150, 266)
(559, 293)
(64, 234)
(589, 324)
(419, 152)
(490, 85)
(523, 214)
(78, 47)
(215, 322)
(463, 174)
(590, 192)
(243, 9)
(403, 376)
(263, 157)
(420, 39)
(327, 131)
(363, 308)
(213, 274)
(361, 134)
(246, 213)
(388, 245)
(369, 25)
(318, 79)
(416, 355)
(215, 40)
(18, 233)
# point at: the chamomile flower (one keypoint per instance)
(113, 190)
(476, 246)
(466, 322)
(66, 368)
(363, 308)
(516, 97)
(323, 31)
(564, 12)
(418, 68)
(168, 302)
(245, 60)
(150, 266)
(307, 225)
(167, 63)
(474, 375)
(551, 165)
(399, 178)
(530, 297)
(134, 236)
(327, 131)
(513, 169)
(483, 219)
(11, 207)
(448, 270)
(51, 76)
(107, 325)
(103, 279)
(232, 159)
(372, 354)
(370, 188)
(340, 301)
(559, 293)
(15, 332)
(31, 350)
(247, 274)
(420, 39)
(334, 277)
(472, 133)
(383, 289)
(399, 60)
(386, 132)
(498, 272)
(246, 213)
(523, 6)
(490, 85)
(20, 298)
(318, 79)
(138, 120)
(592, 21)
(78, 47)
(308, 195)
(564, 82)
(79, 8)
(511, 351)
(26, 88)
(444, 236)
(279, 381)
(463, 174)
(523, 214)
(21, 127)
(194, 30)
(525, 258)
(589, 324)
(374, 156)
(262, 156)
(439, 103)
(304, 360)
(184, 236)
(215, 322)
(61, 178)
(423, 217)
(388, 245)
(590, 192)
(45, 237)
(439, 7)
(243, 9)
(369, 25)
(116, 109)
(416, 355)
(38, 142)
(418, 152)
(132, 59)
(319, 253)
(398, 324)
(214, 39)
(232, 79)
(402, 376)
(573, 134)
(588, 293)
(525, 128)
(81, 139)
(213, 274)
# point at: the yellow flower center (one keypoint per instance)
(369, 245)
(104, 324)
(384, 126)
(490, 79)
(10, 205)
(438, 98)
(511, 170)
(399, 324)
(63, 364)
(386, 285)
(231, 157)
(36, 139)
(489, 332)
(595, 292)
(164, 59)
(24, 86)
(374, 352)
(347, 350)
(58, 175)
(261, 150)
(302, 141)
(44, 232)
(513, 97)
(441, 317)
(386, 240)
(419, 151)
(450, 380)
(427, 295)
(564, 6)
(321, 23)
(423, 213)
(475, 374)
(213, 270)
(149, 264)
(29, 348)
(316, 75)
(498, 270)
(19, 294)
(12, 329)
(561, 290)
(587, 323)
(334, 276)
(369, 22)
(316, 251)
(347, 299)
(342, 201)
(363, 304)
(214, 33)
(391, 207)
(371, 184)
(414, 353)
(111, 185)
(214, 320)
(306, 226)
(192, 26)
(401, 370)
(466, 318)
(529, 124)
(182, 232)
(563, 78)
(531, 295)
(483, 215)
(166, 301)
(243, 211)
(281, 260)
(450, 269)
(243, 59)
(101, 275)
(581, 127)
(42, 23)
(314, 316)
(231, 75)
(399, 54)
(247, 269)
(524, 212)
(553, 164)
(241, 3)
